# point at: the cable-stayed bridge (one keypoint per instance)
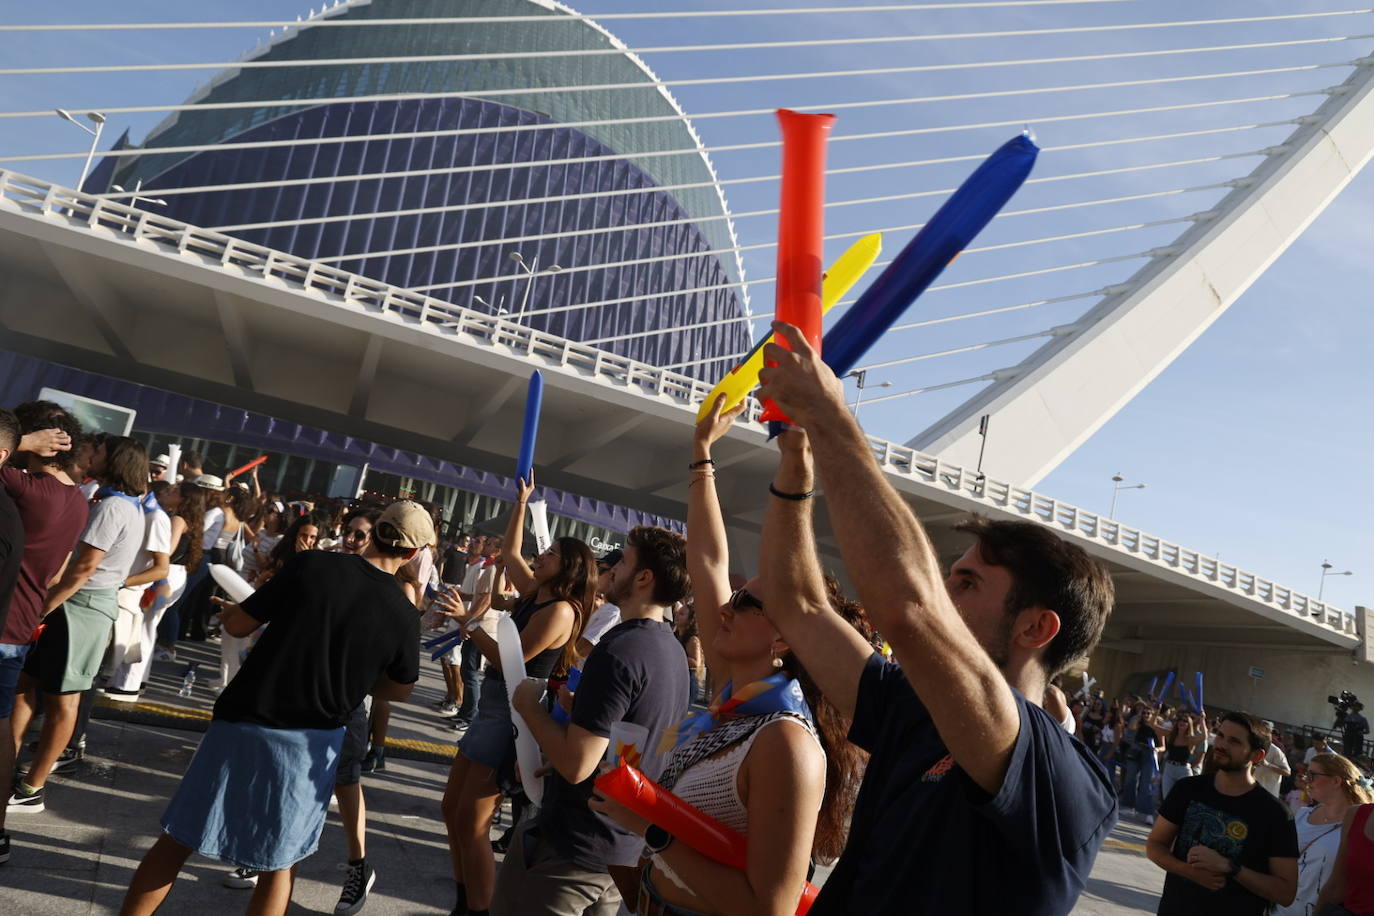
(327, 231)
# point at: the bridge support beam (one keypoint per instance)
(1061, 394)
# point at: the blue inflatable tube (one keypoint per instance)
(1199, 692)
(534, 399)
(948, 232)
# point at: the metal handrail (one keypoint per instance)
(176, 238)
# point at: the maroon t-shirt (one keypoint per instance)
(54, 515)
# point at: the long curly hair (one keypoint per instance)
(191, 509)
(574, 583)
(844, 762)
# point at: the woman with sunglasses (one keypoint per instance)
(768, 758)
(556, 593)
(1333, 784)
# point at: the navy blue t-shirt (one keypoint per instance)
(637, 673)
(926, 839)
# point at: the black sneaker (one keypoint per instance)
(4, 848)
(123, 696)
(359, 882)
(20, 803)
(240, 878)
(68, 759)
(374, 761)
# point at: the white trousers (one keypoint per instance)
(130, 675)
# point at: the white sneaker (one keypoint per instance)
(241, 878)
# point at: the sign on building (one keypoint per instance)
(94, 416)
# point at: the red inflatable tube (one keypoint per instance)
(801, 228)
(249, 466)
(702, 832)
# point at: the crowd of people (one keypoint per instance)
(913, 738)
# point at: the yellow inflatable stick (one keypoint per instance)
(839, 279)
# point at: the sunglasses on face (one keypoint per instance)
(743, 600)
(356, 534)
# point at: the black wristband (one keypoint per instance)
(795, 497)
(702, 463)
(656, 839)
(1235, 868)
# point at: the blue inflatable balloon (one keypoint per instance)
(949, 231)
(1199, 692)
(1168, 684)
(524, 464)
(558, 714)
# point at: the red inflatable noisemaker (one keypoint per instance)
(801, 228)
(702, 832)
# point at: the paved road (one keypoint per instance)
(78, 856)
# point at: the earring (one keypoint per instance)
(777, 662)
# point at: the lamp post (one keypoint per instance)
(98, 120)
(1326, 571)
(1117, 488)
(860, 376)
(135, 196)
(530, 271)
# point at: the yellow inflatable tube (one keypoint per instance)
(839, 279)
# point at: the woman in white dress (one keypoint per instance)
(1333, 783)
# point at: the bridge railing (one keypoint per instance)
(176, 238)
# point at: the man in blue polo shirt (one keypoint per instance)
(975, 801)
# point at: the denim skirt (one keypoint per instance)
(490, 739)
(255, 797)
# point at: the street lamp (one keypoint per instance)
(530, 271)
(860, 376)
(496, 309)
(1117, 488)
(1326, 571)
(135, 197)
(98, 120)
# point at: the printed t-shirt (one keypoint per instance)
(11, 552)
(635, 674)
(1252, 828)
(116, 527)
(53, 514)
(338, 623)
(919, 814)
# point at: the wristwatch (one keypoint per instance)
(656, 839)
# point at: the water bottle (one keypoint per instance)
(188, 681)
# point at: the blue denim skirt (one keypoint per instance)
(255, 797)
(490, 739)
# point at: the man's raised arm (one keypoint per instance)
(831, 650)
(896, 571)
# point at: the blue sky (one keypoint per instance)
(1253, 443)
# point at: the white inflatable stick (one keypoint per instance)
(513, 671)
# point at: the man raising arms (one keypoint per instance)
(973, 793)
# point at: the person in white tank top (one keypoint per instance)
(756, 759)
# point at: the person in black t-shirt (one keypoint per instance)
(975, 801)
(559, 862)
(257, 791)
(1227, 844)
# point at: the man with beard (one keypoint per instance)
(1227, 844)
(558, 863)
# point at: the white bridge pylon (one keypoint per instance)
(1066, 390)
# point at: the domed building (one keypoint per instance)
(482, 132)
